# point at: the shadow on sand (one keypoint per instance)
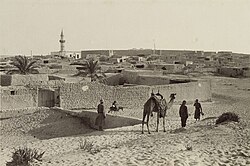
(61, 124)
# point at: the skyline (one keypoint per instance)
(210, 25)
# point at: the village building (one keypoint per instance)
(234, 71)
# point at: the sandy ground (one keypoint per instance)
(60, 135)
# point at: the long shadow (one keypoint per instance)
(61, 124)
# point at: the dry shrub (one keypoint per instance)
(226, 117)
(23, 156)
(88, 146)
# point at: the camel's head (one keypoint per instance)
(172, 96)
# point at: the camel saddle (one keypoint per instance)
(161, 104)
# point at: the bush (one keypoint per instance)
(228, 116)
(88, 146)
(23, 156)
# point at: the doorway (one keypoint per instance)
(46, 98)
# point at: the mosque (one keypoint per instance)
(63, 52)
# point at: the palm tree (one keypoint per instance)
(90, 68)
(23, 66)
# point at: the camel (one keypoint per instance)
(160, 106)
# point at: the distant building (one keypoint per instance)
(63, 53)
(231, 71)
(169, 68)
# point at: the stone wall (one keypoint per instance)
(114, 79)
(17, 102)
(87, 95)
(5, 80)
(130, 76)
(152, 80)
(18, 97)
(19, 80)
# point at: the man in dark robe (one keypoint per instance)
(183, 114)
(198, 110)
(100, 120)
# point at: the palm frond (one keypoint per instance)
(23, 65)
(14, 71)
(30, 65)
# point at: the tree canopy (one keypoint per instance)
(23, 66)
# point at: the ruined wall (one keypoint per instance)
(75, 96)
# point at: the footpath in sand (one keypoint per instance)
(60, 135)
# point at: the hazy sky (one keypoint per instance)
(35, 25)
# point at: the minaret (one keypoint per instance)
(154, 47)
(62, 41)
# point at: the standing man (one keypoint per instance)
(100, 120)
(198, 110)
(183, 113)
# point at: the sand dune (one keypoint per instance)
(201, 143)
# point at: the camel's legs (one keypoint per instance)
(164, 129)
(143, 121)
(147, 123)
(157, 123)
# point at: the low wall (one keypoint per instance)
(17, 102)
(111, 121)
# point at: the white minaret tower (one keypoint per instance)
(62, 41)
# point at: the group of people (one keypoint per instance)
(183, 112)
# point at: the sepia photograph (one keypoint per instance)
(125, 82)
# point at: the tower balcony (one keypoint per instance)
(62, 41)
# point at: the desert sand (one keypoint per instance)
(201, 143)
